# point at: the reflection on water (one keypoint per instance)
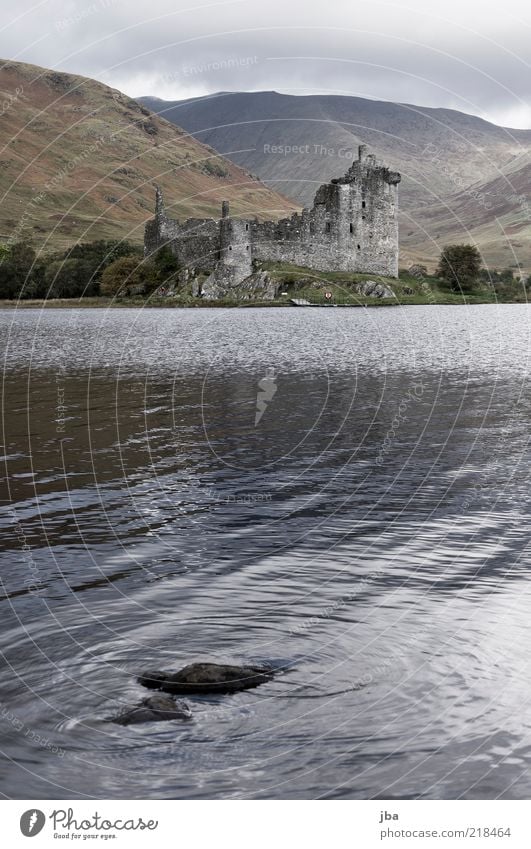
(368, 534)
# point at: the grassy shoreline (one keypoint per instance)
(302, 283)
(173, 303)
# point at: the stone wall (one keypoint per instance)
(195, 243)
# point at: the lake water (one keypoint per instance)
(369, 535)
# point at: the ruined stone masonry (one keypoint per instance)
(352, 226)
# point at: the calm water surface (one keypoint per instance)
(369, 536)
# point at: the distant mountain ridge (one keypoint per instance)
(78, 161)
(463, 178)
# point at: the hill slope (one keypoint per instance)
(494, 214)
(78, 161)
(295, 143)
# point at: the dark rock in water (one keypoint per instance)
(207, 678)
(155, 708)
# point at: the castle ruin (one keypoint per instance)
(352, 226)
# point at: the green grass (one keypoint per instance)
(112, 303)
(304, 283)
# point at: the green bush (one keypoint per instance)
(69, 278)
(94, 258)
(214, 168)
(16, 268)
(165, 266)
(460, 266)
(73, 273)
(125, 276)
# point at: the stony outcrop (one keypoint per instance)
(256, 287)
(156, 708)
(217, 286)
(372, 289)
(207, 678)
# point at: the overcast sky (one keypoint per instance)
(463, 54)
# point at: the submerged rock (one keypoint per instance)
(155, 708)
(207, 678)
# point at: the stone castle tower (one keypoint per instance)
(352, 226)
(234, 243)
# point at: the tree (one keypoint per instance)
(93, 258)
(166, 264)
(125, 276)
(73, 273)
(16, 266)
(460, 266)
(507, 275)
(67, 278)
(35, 284)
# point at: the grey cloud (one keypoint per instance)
(472, 57)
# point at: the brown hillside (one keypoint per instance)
(494, 214)
(78, 161)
